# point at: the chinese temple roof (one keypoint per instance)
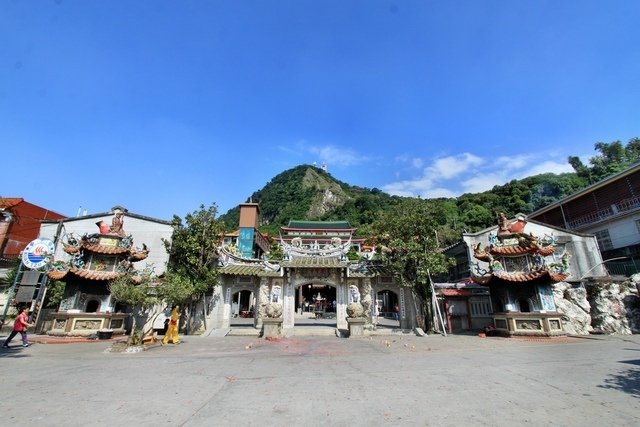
(514, 256)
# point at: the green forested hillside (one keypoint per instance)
(309, 193)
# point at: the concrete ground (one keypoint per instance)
(317, 381)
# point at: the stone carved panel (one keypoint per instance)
(554, 324)
(60, 324)
(501, 323)
(528, 325)
(84, 324)
(116, 323)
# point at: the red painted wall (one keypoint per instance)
(21, 225)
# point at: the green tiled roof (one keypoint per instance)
(247, 270)
(320, 225)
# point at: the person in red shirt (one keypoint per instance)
(19, 326)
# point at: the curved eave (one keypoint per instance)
(518, 250)
(57, 274)
(138, 256)
(106, 250)
(95, 274)
(521, 277)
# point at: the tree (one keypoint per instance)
(192, 267)
(276, 253)
(55, 293)
(406, 241)
(139, 296)
(613, 157)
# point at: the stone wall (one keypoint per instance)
(603, 306)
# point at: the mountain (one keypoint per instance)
(310, 193)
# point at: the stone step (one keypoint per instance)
(300, 331)
(243, 332)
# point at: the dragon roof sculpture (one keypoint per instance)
(515, 256)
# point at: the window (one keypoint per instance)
(480, 306)
(604, 240)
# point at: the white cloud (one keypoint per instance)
(548, 166)
(513, 162)
(436, 193)
(454, 175)
(483, 182)
(414, 162)
(409, 187)
(451, 166)
(332, 155)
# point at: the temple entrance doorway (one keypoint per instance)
(243, 305)
(388, 305)
(315, 304)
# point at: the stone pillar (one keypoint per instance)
(288, 305)
(341, 305)
(272, 328)
(262, 301)
(356, 326)
(404, 318)
(365, 298)
(226, 312)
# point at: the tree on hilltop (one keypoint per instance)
(613, 157)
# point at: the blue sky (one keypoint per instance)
(161, 106)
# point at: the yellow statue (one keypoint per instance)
(172, 330)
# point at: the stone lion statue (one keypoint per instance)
(354, 294)
(355, 309)
(273, 310)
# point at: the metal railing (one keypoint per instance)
(625, 268)
(622, 206)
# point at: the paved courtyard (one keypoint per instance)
(314, 381)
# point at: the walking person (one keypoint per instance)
(19, 326)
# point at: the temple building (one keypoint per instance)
(520, 261)
(314, 274)
(90, 251)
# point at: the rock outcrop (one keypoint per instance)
(615, 307)
(572, 302)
